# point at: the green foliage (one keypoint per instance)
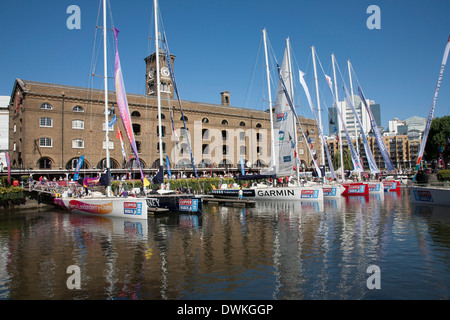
(444, 175)
(437, 138)
(348, 165)
(202, 185)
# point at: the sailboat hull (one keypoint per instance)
(274, 193)
(176, 203)
(131, 208)
(355, 189)
(391, 186)
(430, 195)
(332, 191)
(375, 187)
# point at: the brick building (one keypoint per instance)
(52, 125)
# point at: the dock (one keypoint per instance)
(229, 202)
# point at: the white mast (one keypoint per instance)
(354, 119)
(158, 93)
(105, 71)
(339, 118)
(318, 101)
(293, 104)
(270, 100)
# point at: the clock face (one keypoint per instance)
(165, 71)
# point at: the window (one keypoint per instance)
(45, 142)
(109, 128)
(111, 145)
(259, 137)
(243, 150)
(224, 122)
(165, 87)
(259, 150)
(136, 129)
(258, 125)
(242, 136)
(242, 124)
(15, 127)
(311, 130)
(205, 120)
(45, 163)
(185, 118)
(46, 122)
(205, 134)
(225, 149)
(163, 129)
(138, 146)
(14, 147)
(301, 151)
(162, 116)
(77, 124)
(78, 109)
(78, 144)
(163, 147)
(46, 106)
(205, 149)
(135, 114)
(224, 135)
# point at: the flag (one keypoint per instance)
(8, 165)
(122, 104)
(78, 167)
(433, 105)
(113, 121)
(169, 172)
(242, 167)
(119, 136)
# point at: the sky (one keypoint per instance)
(218, 46)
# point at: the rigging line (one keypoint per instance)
(252, 77)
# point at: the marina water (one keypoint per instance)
(275, 250)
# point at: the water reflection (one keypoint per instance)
(276, 250)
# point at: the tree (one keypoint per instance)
(438, 139)
(348, 165)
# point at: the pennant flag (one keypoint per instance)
(378, 138)
(78, 167)
(113, 121)
(120, 137)
(169, 171)
(355, 158)
(288, 98)
(122, 104)
(8, 165)
(371, 161)
(433, 105)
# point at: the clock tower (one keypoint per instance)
(166, 86)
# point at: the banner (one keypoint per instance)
(355, 158)
(120, 137)
(433, 105)
(372, 165)
(381, 145)
(242, 166)
(169, 171)
(8, 165)
(172, 75)
(308, 96)
(78, 167)
(122, 103)
(288, 98)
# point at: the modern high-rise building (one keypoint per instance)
(350, 119)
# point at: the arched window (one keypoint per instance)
(205, 120)
(162, 116)
(185, 118)
(225, 122)
(135, 114)
(46, 106)
(242, 124)
(258, 125)
(78, 109)
(45, 163)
